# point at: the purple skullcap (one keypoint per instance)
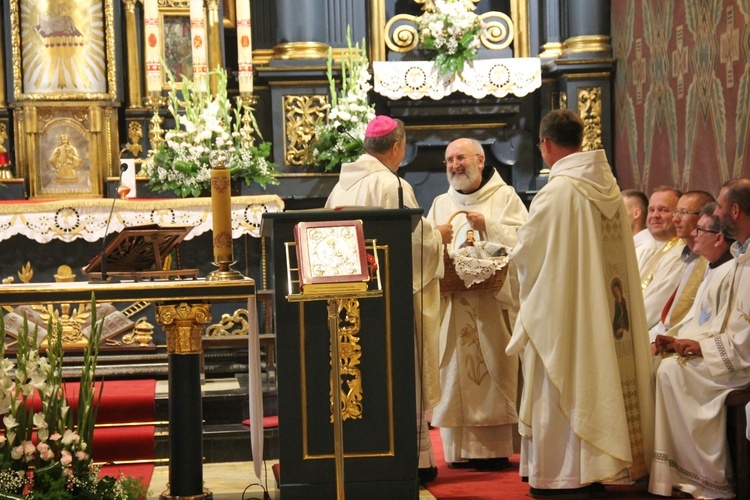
(381, 126)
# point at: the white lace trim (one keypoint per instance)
(475, 264)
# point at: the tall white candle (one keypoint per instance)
(198, 36)
(153, 46)
(244, 47)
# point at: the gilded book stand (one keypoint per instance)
(374, 338)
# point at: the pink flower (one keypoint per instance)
(55, 437)
(81, 455)
(17, 452)
(45, 453)
(65, 457)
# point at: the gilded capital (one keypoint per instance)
(184, 326)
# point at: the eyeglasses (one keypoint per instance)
(683, 213)
(699, 230)
(459, 159)
(541, 141)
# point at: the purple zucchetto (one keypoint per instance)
(380, 126)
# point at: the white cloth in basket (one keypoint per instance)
(475, 264)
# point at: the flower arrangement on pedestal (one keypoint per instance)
(205, 125)
(450, 28)
(47, 454)
(349, 109)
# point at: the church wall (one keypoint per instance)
(682, 93)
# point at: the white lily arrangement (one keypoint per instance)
(208, 128)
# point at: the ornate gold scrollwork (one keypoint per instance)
(135, 134)
(590, 110)
(236, 324)
(499, 30)
(184, 326)
(301, 114)
(350, 353)
(402, 35)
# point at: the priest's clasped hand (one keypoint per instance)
(665, 344)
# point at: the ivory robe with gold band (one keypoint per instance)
(368, 183)
(681, 301)
(479, 381)
(586, 412)
(660, 276)
(690, 447)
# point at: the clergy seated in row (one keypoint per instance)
(636, 205)
(707, 359)
(713, 246)
(685, 219)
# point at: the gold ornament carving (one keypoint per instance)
(184, 326)
(230, 325)
(135, 134)
(402, 34)
(350, 353)
(69, 320)
(301, 114)
(590, 111)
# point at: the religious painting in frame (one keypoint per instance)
(177, 51)
(66, 49)
(64, 148)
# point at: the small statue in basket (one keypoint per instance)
(477, 379)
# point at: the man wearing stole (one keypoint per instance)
(690, 447)
(586, 412)
(371, 181)
(479, 381)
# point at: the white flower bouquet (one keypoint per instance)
(205, 126)
(349, 109)
(452, 31)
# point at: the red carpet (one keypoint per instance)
(142, 472)
(466, 484)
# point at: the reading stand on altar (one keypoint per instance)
(361, 442)
(138, 253)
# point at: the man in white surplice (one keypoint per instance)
(677, 305)
(586, 413)
(371, 181)
(690, 447)
(660, 265)
(479, 381)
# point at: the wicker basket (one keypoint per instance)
(451, 282)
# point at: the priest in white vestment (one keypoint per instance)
(586, 412)
(479, 381)
(636, 205)
(662, 267)
(371, 181)
(689, 209)
(690, 447)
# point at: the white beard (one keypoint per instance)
(461, 182)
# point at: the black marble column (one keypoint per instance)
(301, 20)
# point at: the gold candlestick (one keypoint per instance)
(221, 210)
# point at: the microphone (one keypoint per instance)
(105, 278)
(341, 130)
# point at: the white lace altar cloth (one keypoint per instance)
(475, 264)
(480, 78)
(68, 220)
